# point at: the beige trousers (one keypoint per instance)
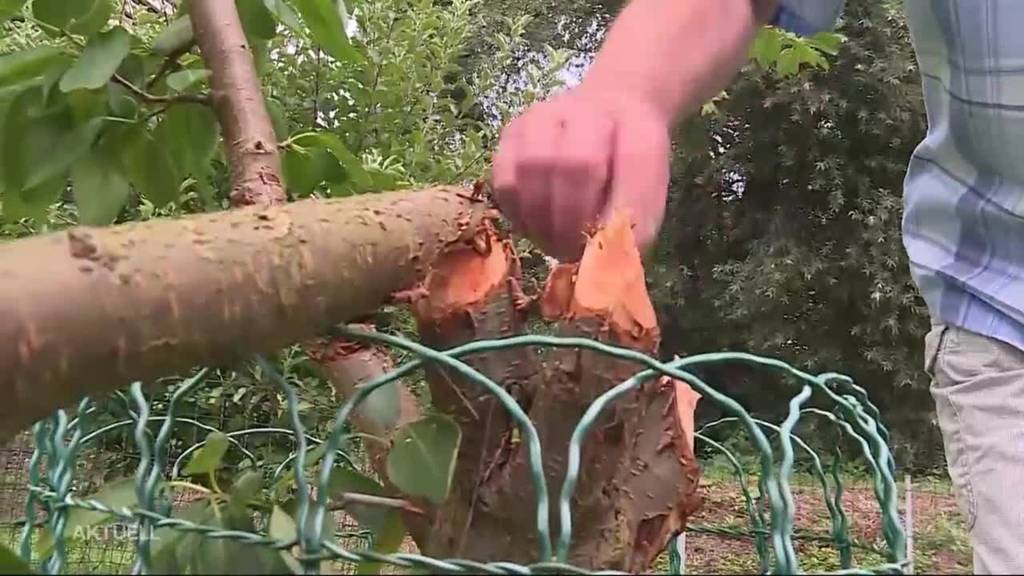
(978, 387)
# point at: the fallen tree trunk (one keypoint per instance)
(89, 310)
(639, 478)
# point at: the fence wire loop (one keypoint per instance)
(768, 504)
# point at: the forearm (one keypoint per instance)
(676, 54)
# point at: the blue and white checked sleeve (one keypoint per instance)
(808, 17)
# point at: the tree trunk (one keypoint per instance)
(238, 99)
(256, 179)
(90, 310)
(346, 365)
(638, 478)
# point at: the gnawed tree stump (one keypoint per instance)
(638, 480)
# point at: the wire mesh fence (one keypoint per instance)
(68, 519)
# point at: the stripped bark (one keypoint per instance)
(238, 99)
(639, 478)
(89, 310)
(470, 294)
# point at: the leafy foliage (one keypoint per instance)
(783, 234)
(365, 95)
(422, 459)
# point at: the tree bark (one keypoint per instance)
(90, 310)
(238, 99)
(639, 478)
(346, 365)
(256, 179)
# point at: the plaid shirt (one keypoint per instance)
(963, 223)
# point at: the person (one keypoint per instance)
(604, 145)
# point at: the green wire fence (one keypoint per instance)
(769, 506)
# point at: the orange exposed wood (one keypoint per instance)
(608, 283)
(640, 478)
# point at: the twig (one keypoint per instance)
(349, 498)
(170, 63)
(469, 166)
(153, 99)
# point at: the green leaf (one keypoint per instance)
(228, 556)
(422, 458)
(11, 563)
(246, 488)
(94, 20)
(766, 47)
(387, 540)
(117, 494)
(32, 202)
(278, 118)
(173, 550)
(71, 147)
(286, 480)
(327, 527)
(827, 42)
(353, 166)
(176, 37)
(283, 527)
(207, 459)
(21, 133)
(121, 102)
(304, 170)
(10, 8)
(41, 145)
(345, 480)
(285, 15)
(184, 79)
(260, 55)
(188, 132)
(98, 62)
(257, 21)
(61, 13)
(26, 65)
(788, 62)
(355, 172)
(324, 22)
(100, 189)
(150, 169)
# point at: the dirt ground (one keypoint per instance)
(940, 538)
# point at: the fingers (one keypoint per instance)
(580, 183)
(503, 171)
(640, 177)
(550, 175)
(538, 163)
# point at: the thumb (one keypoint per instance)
(639, 178)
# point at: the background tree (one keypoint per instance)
(783, 234)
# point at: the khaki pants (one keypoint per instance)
(978, 387)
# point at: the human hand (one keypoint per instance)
(568, 163)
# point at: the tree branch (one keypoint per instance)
(89, 310)
(349, 498)
(169, 64)
(238, 100)
(153, 99)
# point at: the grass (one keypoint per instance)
(941, 541)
